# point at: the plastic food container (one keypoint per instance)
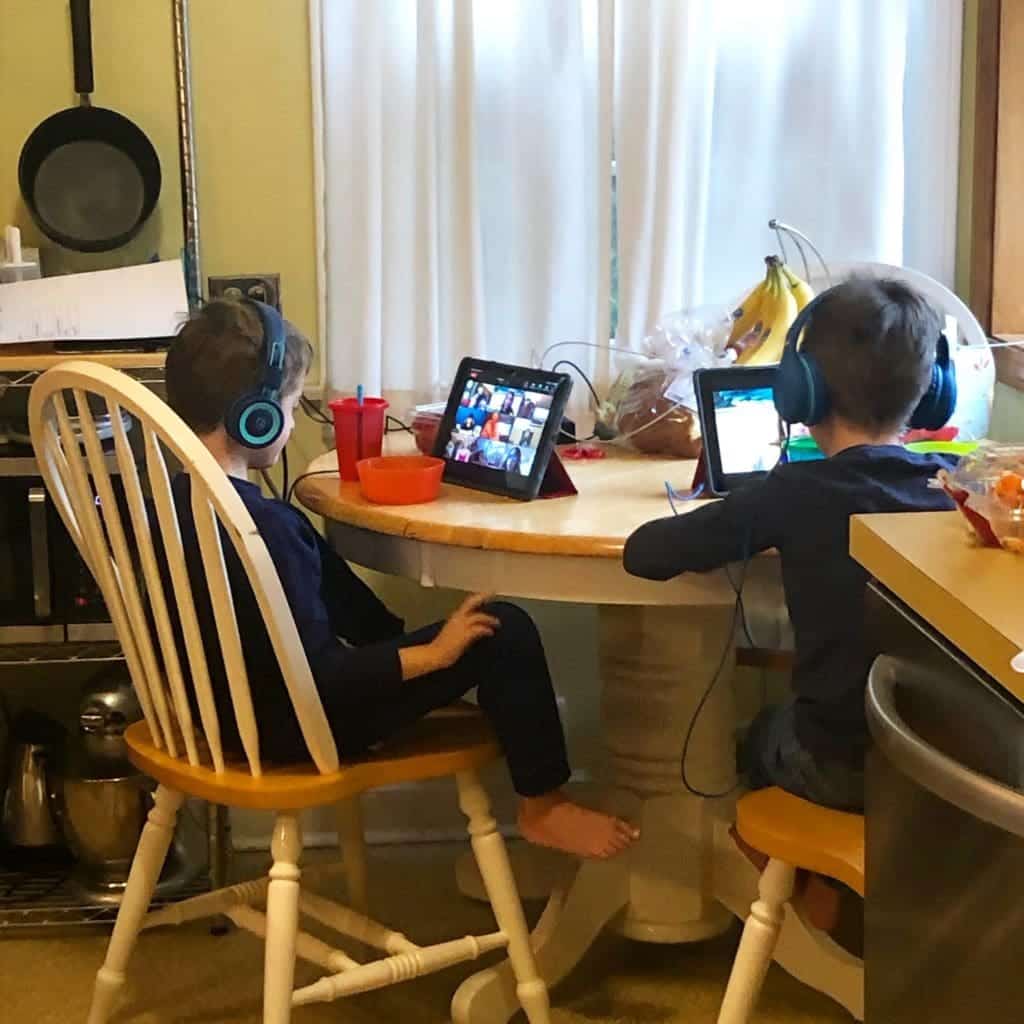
(425, 423)
(400, 479)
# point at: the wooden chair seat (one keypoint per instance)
(793, 830)
(458, 741)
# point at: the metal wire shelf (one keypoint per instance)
(60, 653)
(48, 898)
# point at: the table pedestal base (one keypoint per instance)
(656, 663)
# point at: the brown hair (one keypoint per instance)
(218, 356)
(874, 340)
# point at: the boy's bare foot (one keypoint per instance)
(553, 820)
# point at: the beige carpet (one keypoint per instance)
(185, 974)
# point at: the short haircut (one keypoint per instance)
(218, 356)
(874, 340)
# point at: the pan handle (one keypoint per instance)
(81, 47)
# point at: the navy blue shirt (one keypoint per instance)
(803, 509)
(346, 631)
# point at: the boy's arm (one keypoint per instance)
(746, 522)
(355, 611)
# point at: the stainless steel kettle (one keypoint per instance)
(27, 819)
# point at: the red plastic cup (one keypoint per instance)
(358, 432)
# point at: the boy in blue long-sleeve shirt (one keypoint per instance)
(373, 678)
(875, 342)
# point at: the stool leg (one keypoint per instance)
(352, 840)
(760, 934)
(147, 864)
(282, 920)
(500, 883)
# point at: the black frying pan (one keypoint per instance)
(89, 176)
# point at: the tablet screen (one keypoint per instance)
(740, 426)
(748, 430)
(499, 426)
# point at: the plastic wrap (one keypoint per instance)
(652, 404)
(988, 487)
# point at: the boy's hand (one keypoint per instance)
(467, 624)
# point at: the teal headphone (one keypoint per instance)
(801, 392)
(256, 419)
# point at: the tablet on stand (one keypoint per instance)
(499, 430)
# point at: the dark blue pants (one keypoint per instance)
(510, 674)
(773, 756)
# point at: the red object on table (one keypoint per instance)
(400, 479)
(942, 434)
(583, 451)
(358, 432)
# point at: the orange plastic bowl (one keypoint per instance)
(400, 479)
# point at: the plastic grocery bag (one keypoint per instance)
(652, 406)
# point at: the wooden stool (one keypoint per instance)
(794, 834)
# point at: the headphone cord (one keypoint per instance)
(739, 616)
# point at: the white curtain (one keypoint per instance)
(468, 152)
(837, 116)
(462, 146)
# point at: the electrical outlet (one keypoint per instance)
(262, 287)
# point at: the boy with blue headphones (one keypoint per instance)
(864, 360)
(234, 375)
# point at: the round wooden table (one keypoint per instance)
(660, 646)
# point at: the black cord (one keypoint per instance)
(271, 486)
(586, 380)
(284, 471)
(398, 426)
(738, 615)
(314, 412)
(302, 476)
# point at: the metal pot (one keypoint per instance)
(27, 818)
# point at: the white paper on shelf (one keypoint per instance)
(125, 304)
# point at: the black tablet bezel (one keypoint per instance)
(483, 478)
(729, 378)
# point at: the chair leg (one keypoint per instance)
(147, 864)
(282, 920)
(760, 934)
(352, 840)
(492, 859)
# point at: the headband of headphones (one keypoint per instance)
(274, 343)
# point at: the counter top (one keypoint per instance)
(971, 595)
(24, 358)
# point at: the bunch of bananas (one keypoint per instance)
(761, 320)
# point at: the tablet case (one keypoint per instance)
(556, 482)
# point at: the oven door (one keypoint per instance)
(47, 595)
(29, 611)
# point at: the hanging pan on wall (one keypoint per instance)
(89, 176)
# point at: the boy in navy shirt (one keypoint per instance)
(376, 679)
(875, 342)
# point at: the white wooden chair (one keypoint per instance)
(187, 758)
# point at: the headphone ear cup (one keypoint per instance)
(800, 392)
(255, 421)
(938, 403)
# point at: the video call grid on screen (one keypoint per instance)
(499, 427)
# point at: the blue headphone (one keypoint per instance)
(801, 393)
(256, 419)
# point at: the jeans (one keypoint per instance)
(773, 756)
(510, 674)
